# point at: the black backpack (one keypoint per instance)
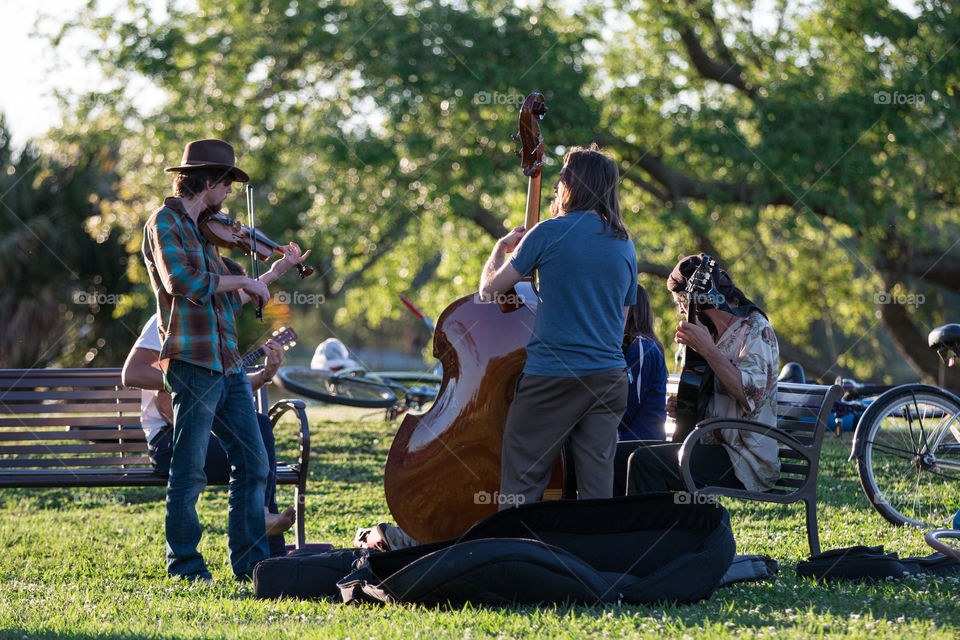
(871, 563)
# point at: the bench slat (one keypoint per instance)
(54, 382)
(66, 463)
(71, 408)
(85, 394)
(790, 482)
(127, 433)
(105, 447)
(804, 413)
(798, 469)
(70, 421)
(135, 477)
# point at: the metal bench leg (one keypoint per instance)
(813, 532)
(300, 498)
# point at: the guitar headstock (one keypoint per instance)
(699, 281)
(699, 285)
(531, 141)
(285, 337)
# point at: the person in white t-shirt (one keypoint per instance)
(142, 370)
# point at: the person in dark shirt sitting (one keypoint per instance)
(646, 403)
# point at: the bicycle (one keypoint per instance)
(395, 391)
(907, 447)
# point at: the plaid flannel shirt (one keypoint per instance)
(196, 324)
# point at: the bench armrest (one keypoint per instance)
(715, 424)
(300, 408)
(279, 408)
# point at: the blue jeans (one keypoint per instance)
(217, 468)
(205, 401)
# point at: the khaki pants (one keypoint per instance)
(548, 410)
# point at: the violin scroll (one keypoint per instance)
(225, 232)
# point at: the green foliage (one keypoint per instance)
(817, 165)
(62, 277)
(809, 163)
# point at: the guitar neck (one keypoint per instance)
(253, 357)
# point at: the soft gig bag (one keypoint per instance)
(635, 549)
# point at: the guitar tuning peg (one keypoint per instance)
(517, 152)
(515, 136)
(293, 344)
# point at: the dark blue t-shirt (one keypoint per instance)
(587, 276)
(646, 402)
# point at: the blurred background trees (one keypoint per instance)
(810, 146)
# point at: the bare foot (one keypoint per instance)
(277, 523)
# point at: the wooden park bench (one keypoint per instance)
(802, 411)
(81, 428)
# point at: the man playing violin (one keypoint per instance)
(142, 370)
(197, 303)
(574, 382)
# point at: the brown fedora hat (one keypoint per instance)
(213, 154)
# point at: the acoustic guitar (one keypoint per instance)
(693, 367)
(284, 337)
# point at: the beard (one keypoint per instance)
(215, 206)
(555, 208)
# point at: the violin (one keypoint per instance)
(223, 231)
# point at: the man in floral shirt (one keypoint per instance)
(738, 343)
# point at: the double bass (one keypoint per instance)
(442, 473)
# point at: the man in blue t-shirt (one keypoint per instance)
(574, 382)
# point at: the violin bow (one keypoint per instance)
(253, 248)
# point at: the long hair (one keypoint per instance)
(591, 179)
(640, 321)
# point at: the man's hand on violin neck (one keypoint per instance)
(292, 255)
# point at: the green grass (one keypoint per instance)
(88, 563)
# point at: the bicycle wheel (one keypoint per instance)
(412, 388)
(326, 386)
(908, 455)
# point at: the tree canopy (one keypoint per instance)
(810, 147)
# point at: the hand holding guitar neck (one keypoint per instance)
(694, 335)
(693, 365)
